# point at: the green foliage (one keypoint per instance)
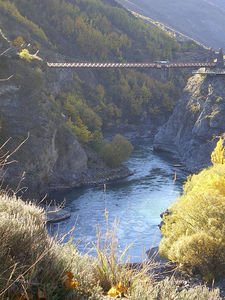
(134, 96)
(30, 78)
(11, 9)
(117, 151)
(81, 119)
(92, 26)
(79, 130)
(25, 54)
(194, 232)
(18, 42)
(154, 110)
(169, 289)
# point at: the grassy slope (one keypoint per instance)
(198, 19)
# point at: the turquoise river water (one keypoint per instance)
(136, 202)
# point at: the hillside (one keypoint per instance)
(201, 20)
(219, 3)
(72, 109)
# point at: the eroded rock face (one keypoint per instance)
(196, 123)
(51, 157)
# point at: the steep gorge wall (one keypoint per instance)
(51, 157)
(196, 122)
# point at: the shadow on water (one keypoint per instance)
(136, 201)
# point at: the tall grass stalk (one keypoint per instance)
(113, 268)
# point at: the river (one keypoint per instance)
(136, 202)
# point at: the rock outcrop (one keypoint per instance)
(196, 123)
(51, 156)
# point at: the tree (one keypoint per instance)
(19, 42)
(117, 151)
(194, 230)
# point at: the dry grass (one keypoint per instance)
(112, 268)
(30, 257)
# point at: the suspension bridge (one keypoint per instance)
(212, 67)
(154, 65)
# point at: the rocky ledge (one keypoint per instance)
(196, 123)
(54, 214)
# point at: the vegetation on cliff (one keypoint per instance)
(195, 122)
(194, 229)
(96, 30)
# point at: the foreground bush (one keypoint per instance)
(32, 261)
(194, 231)
(35, 266)
(169, 289)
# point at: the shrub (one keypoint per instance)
(169, 289)
(219, 99)
(194, 232)
(25, 54)
(19, 42)
(194, 108)
(117, 151)
(30, 258)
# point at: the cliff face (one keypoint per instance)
(51, 157)
(196, 123)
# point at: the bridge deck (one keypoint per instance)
(153, 65)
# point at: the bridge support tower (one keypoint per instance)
(220, 60)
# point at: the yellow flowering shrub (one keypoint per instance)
(69, 282)
(113, 292)
(119, 290)
(217, 156)
(194, 232)
(25, 54)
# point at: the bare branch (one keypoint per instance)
(5, 79)
(4, 52)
